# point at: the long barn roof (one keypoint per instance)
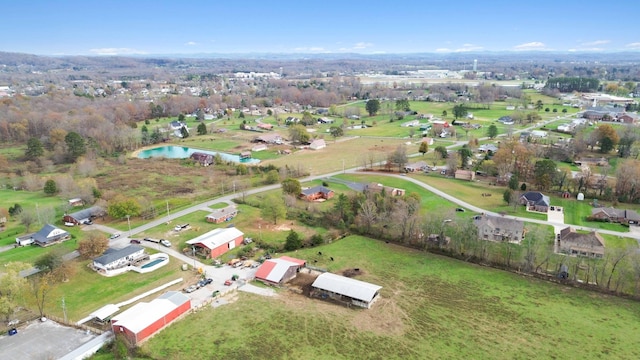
(352, 288)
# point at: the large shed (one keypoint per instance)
(280, 270)
(346, 290)
(79, 217)
(217, 242)
(145, 319)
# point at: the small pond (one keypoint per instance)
(182, 152)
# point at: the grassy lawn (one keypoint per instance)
(430, 307)
(87, 291)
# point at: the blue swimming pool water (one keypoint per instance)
(156, 261)
(182, 152)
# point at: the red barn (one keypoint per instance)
(280, 270)
(145, 319)
(217, 242)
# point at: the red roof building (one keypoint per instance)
(143, 319)
(217, 242)
(280, 270)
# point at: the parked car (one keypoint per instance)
(228, 282)
(134, 241)
(215, 293)
(114, 236)
(191, 288)
(177, 228)
(201, 283)
(460, 210)
(208, 281)
(88, 222)
(68, 224)
(165, 242)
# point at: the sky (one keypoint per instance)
(146, 27)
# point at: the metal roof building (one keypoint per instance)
(144, 319)
(346, 290)
(218, 241)
(278, 271)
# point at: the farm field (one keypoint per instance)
(430, 307)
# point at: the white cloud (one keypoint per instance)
(635, 45)
(595, 43)
(464, 48)
(587, 49)
(310, 49)
(117, 51)
(362, 45)
(191, 43)
(535, 45)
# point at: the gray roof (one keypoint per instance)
(499, 222)
(352, 288)
(112, 255)
(87, 213)
(536, 198)
(316, 189)
(175, 297)
(45, 234)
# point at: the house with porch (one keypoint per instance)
(498, 228)
(117, 258)
(46, 236)
(222, 215)
(535, 201)
(574, 243)
(316, 193)
(615, 215)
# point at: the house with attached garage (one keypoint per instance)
(80, 217)
(574, 243)
(615, 215)
(316, 193)
(46, 236)
(222, 215)
(498, 228)
(535, 201)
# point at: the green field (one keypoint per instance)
(431, 307)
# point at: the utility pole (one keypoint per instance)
(129, 222)
(167, 208)
(64, 309)
(38, 212)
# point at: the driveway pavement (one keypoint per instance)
(43, 340)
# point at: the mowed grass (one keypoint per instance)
(431, 307)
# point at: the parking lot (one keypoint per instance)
(42, 340)
(219, 275)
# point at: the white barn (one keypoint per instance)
(346, 290)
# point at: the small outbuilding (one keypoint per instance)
(143, 319)
(345, 290)
(318, 144)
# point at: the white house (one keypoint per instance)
(318, 144)
(117, 258)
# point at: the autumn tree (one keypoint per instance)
(93, 245)
(291, 186)
(608, 138)
(373, 106)
(120, 207)
(273, 208)
(12, 286)
(424, 148)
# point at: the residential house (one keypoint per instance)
(265, 126)
(279, 271)
(46, 236)
(506, 120)
(75, 202)
(325, 120)
(273, 138)
(535, 201)
(487, 148)
(416, 166)
(615, 215)
(412, 123)
(465, 175)
(318, 144)
(259, 147)
(345, 290)
(80, 217)
(317, 193)
(428, 140)
(217, 242)
(388, 190)
(177, 125)
(628, 118)
(291, 120)
(117, 258)
(498, 228)
(222, 215)
(202, 158)
(579, 244)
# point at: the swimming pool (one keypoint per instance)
(156, 261)
(183, 152)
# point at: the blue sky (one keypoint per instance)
(138, 27)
